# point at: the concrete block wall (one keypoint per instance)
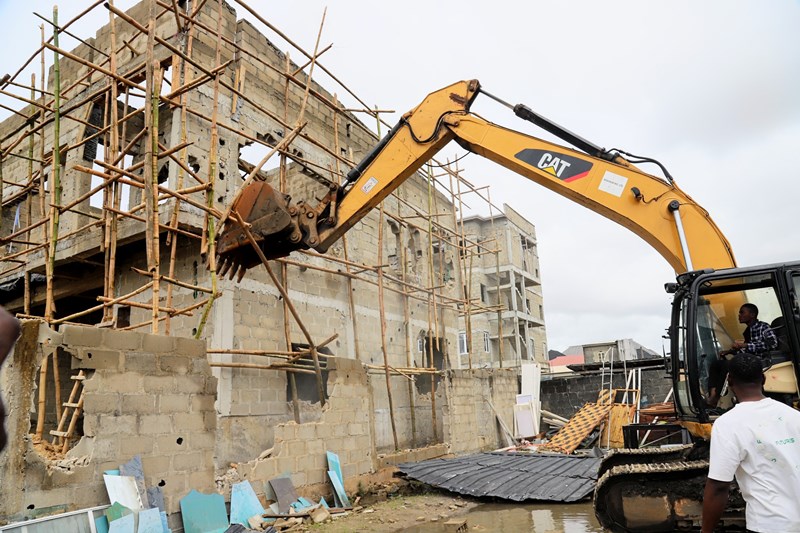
(469, 423)
(344, 428)
(145, 395)
(564, 395)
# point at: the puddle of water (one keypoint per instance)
(533, 518)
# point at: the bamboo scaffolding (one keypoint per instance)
(104, 83)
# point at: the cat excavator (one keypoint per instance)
(648, 489)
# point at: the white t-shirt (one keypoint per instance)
(759, 443)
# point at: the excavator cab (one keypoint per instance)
(705, 322)
(661, 489)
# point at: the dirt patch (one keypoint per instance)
(397, 507)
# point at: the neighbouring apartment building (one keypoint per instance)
(504, 324)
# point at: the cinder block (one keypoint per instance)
(188, 422)
(81, 336)
(116, 425)
(99, 403)
(122, 383)
(202, 480)
(168, 444)
(141, 363)
(190, 384)
(132, 445)
(155, 424)
(160, 384)
(315, 446)
(175, 364)
(188, 461)
(158, 344)
(299, 479)
(264, 470)
(287, 465)
(307, 432)
(172, 403)
(190, 347)
(95, 359)
(122, 340)
(201, 440)
(202, 402)
(157, 466)
(210, 419)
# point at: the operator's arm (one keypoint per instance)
(714, 499)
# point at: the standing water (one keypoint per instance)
(530, 517)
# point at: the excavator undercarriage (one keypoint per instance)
(658, 490)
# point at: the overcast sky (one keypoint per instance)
(711, 89)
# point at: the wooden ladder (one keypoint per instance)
(75, 404)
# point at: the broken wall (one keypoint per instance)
(145, 395)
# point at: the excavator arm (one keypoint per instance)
(653, 208)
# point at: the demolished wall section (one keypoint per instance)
(146, 395)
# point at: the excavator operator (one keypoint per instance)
(759, 339)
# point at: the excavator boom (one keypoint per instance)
(654, 208)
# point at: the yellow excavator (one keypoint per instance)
(648, 489)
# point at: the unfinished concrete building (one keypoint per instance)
(505, 278)
(135, 346)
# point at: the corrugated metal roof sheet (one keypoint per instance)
(510, 475)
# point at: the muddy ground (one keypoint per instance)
(397, 507)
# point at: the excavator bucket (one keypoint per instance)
(267, 212)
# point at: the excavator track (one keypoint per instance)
(628, 456)
(658, 497)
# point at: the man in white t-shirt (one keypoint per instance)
(758, 442)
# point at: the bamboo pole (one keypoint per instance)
(42, 406)
(410, 384)
(383, 329)
(208, 243)
(153, 87)
(287, 332)
(431, 311)
(55, 193)
(181, 70)
(257, 366)
(348, 279)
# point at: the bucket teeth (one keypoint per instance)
(224, 266)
